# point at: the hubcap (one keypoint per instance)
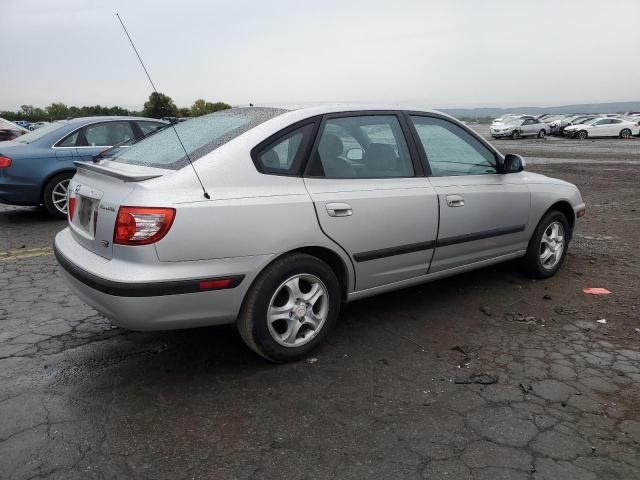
(59, 196)
(552, 245)
(298, 310)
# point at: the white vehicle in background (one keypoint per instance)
(604, 127)
(521, 127)
(506, 118)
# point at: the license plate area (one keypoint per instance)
(87, 214)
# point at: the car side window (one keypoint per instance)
(452, 151)
(285, 155)
(70, 141)
(107, 134)
(148, 127)
(366, 146)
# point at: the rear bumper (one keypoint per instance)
(28, 195)
(158, 304)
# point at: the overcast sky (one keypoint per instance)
(447, 53)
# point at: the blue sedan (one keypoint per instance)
(35, 168)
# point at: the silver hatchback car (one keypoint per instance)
(302, 210)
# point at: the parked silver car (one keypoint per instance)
(304, 210)
(521, 127)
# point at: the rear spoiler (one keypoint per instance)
(119, 174)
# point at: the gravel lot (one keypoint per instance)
(387, 397)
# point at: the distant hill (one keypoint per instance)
(614, 107)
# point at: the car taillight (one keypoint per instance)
(71, 205)
(142, 225)
(5, 162)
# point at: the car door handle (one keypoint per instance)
(339, 209)
(455, 201)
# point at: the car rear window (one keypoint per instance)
(199, 135)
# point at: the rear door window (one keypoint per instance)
(106, 134)
(367, 146)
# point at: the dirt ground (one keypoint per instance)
(404, 388)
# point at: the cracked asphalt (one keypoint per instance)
(390, 395)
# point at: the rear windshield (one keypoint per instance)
(199, 136)
(40, 132)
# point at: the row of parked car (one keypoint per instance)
(574, 125)
(36, 166)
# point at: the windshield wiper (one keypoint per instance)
(131, 141)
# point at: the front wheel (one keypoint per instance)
(541, 133)
(582, 134)
(54, 195)
(515, 135)
(626, 133)
(290, 308)
(548, 246)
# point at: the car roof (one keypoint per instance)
(74, 121)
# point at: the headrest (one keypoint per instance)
(381, 156)
(330, 146)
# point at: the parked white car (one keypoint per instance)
(506, 118)
(604, 127)
(521, 127)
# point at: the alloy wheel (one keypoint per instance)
(59, 196)
(298, 310)
(552, 245)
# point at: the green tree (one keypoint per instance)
(57, 111)
(184, 112)
(159, 105)
(200, 107)
(26, 111)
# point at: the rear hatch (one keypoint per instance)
(96, 193)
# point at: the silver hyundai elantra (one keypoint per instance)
(272, 218)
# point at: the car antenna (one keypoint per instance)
(206, 195)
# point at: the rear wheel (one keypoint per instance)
(541, 133)
(582, 134)
(291, 308)
(55, 195)
(548, 246)
(515, 135)
(626, 133)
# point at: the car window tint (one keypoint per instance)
(451, 150)
(70, 141)
(107, 134)
(284, 157)
(371, 146)
(148, 127)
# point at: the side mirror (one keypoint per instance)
(513, 163)
(355, 154)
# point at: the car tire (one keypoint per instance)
(290, 336)
(545, 239)
(625, 133)
(582, 134)
(515, 135)
(541, 133)
(54, 195)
